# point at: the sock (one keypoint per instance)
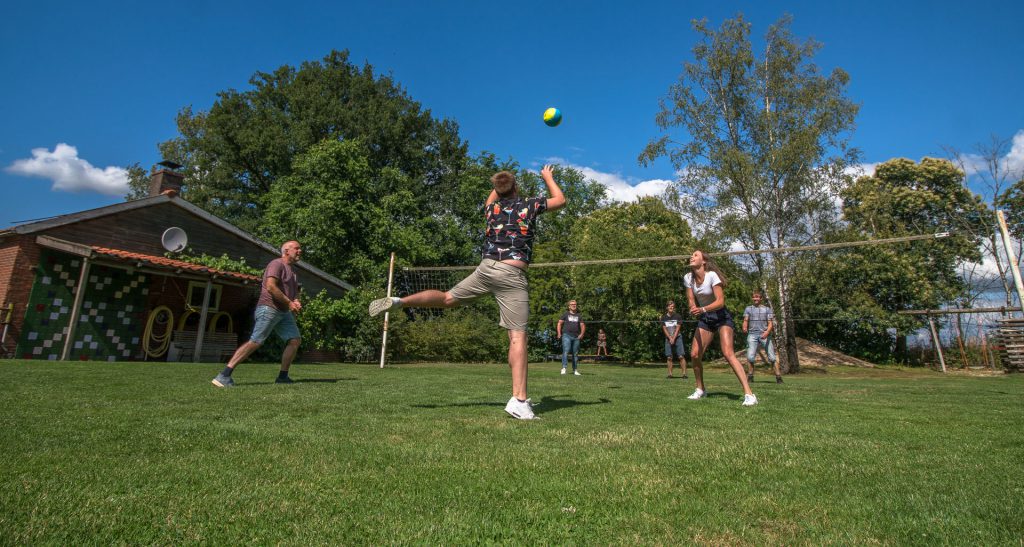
(227, 371)
(282, 374)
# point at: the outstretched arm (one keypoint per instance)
(557, 199)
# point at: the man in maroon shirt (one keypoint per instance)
(279, 300)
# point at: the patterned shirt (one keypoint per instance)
(510, 227)
(757, 318)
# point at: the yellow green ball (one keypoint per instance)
(552, 117)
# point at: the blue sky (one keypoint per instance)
(106, 79)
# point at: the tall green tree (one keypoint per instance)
(764, 144)
(349, 216)
(863, 289)
(236, 152)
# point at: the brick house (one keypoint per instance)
(96, 284)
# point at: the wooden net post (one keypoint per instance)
(384, 341)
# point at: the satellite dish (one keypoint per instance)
(174, 239)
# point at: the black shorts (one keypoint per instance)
(713, 320)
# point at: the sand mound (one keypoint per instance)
(819, 356)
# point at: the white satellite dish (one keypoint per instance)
(174, 239)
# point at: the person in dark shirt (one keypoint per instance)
(508, 249)
(570, 331)
(672, 328)
(279, 301)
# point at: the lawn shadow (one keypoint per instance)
(546, 404)
(302, 381)
(551, 403)
(725, 394)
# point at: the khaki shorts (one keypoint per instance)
(507, 284)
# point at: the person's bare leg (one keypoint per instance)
(289, 353)
(517, 362)
(429, 299)
(701, 339)
(242, 353)
(668, 363)
(725, 335)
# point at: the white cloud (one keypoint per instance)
(70, 173)
(619, 189)
(1015, 158)
(861, 169)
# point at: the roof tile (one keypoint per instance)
(170, 263)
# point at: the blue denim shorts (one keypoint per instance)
(270, 319)
(714, 320)
(678, 345)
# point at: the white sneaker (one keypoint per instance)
(697, 394)
(563, 371)
(520, 410)
(381, 304)
(576, 373)
(749, 400)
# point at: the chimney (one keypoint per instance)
(166, 180)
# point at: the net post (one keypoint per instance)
(1010, 257)
(384, 340)
(937, 342)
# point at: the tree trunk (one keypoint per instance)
(902, 354)
(789, 360)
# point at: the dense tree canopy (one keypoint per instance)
(859, 291)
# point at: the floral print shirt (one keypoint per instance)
(510, 227)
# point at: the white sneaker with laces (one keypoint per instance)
(697, 394)
(749, 400)
(520, 410)
(563, 371)
(576, 373)
(381, 304)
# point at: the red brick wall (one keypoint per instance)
(18, 257)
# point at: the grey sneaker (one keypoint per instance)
(520, 410)
(285, 380)
(381, 304)
(223, 381)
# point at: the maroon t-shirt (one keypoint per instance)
(287, 281)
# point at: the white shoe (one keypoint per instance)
(576, 373)
(563, 371)
(697, 394)
(520, 410)
(749, 400)
(381, 304)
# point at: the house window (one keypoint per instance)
(196, 290)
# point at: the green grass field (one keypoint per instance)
(351, 454)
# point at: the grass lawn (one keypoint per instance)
(351, 454)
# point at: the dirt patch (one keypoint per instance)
(815, 355)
